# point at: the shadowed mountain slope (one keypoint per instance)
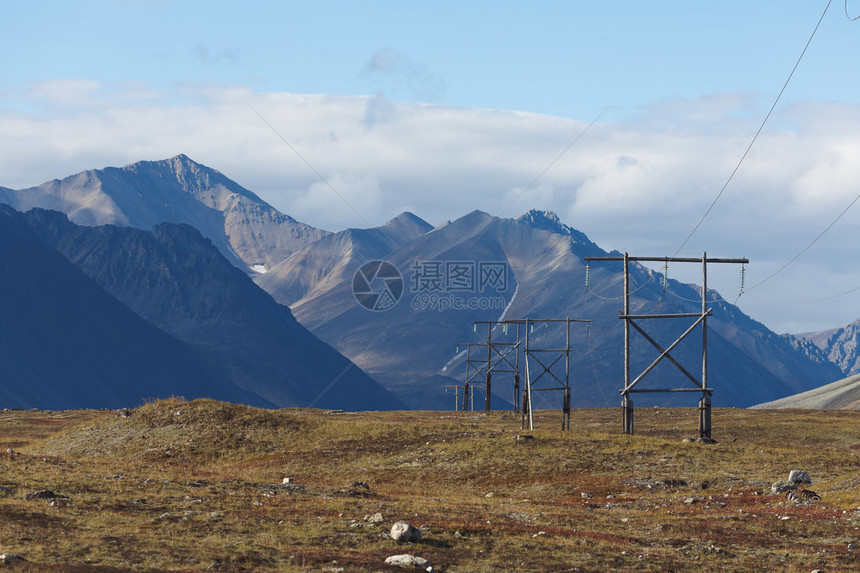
(66, 343)
(179, 282)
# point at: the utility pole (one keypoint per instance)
(632, 321)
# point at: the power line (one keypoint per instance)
(553, 162)
(323, 179)
(755, 137)
(807, 247)
(815, 301)
(846, 13)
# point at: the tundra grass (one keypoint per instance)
(185, 486)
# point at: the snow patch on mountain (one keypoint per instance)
(508, 307)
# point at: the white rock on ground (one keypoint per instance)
(799, 476)
(403, 532)
(407, 561)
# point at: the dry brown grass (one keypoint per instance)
(181, 486)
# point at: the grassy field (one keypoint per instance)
(188, 486)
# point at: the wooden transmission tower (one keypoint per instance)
(631, 321)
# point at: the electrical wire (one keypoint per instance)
(846, 13)
(757, 133)
(807, 247)
(318, 174)
(553, 162)
(594, 370)
(799, 302)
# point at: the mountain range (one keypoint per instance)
(180, 246)
(249, 232)
(415, 343)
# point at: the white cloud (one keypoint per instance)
(638, 185)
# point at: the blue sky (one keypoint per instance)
(445, 107)
(571, 59)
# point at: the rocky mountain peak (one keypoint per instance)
(547, 220)
(550, 221)
(407, 226)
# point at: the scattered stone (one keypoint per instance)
(360, 484)
(287, 480)
(489, 494)
(799, 477)
(333, 412)
(585, 495)
(458, 534)
(675, 483)
(690, 500)
(43, 494)
(688, 440)
(406, 561)
(524, 437)
(375, 519)
(707, 441)
(10, 451)
(59, 502)
(782, 487)
(403, 532)
(289, 487)
(124, 412)
(7, 558)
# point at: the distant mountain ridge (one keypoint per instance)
(247, 230)
(411, 345)
(840, 345)
(316, 268)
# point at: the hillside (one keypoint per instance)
(67, 343)
(193, 486)
(178, 281)
(840, 395)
